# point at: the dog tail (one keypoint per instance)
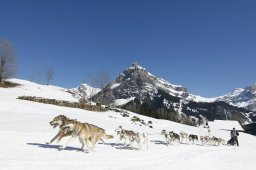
(105, 136)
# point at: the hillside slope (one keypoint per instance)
(25, 128)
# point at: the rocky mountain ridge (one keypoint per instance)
(137, 90)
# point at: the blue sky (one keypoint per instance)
(207, 46)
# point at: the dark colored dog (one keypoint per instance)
(193, 138)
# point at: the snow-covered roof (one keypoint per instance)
(225, 125)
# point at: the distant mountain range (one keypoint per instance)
(137, 90)
(241, 97)
(84, 91)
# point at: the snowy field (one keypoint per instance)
(25, 128)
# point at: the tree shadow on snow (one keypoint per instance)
(49, 146)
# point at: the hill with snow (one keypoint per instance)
(25, 129)
(139, 91)
(241, 97)
(27, 88)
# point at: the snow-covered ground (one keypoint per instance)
(24, 129)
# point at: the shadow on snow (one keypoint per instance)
(49, 146)
(69, 148)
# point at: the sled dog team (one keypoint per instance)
(89, 135)
(172, 137)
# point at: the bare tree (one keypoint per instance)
(101, 80)
(49, 75)
(7, 60)
(91, 80)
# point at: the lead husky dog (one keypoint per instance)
(59, 121)
(85, 132)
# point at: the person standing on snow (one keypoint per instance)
(234, 135)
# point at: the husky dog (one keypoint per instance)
(184, 137)
(193, 138)
(205, 140)
(174, 137)
(202, 140)
(167, 136)
(140, 139)
(85, 132)
(214, 140)
(217, 141)
(125, 134)
(59, 121)
(170, 137)
(221, 141)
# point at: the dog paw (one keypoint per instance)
(86, 150)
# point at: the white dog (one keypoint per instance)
(141, 139)
(184, 137)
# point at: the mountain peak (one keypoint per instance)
(137, 82)
(241, 97)
(136, 65)
(84, 91)
(135, 73)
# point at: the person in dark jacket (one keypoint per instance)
(234, 135)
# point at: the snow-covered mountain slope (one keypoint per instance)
(241, 97)
(84, 91)
(137, 90)
(25, 128)
(28, 88)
